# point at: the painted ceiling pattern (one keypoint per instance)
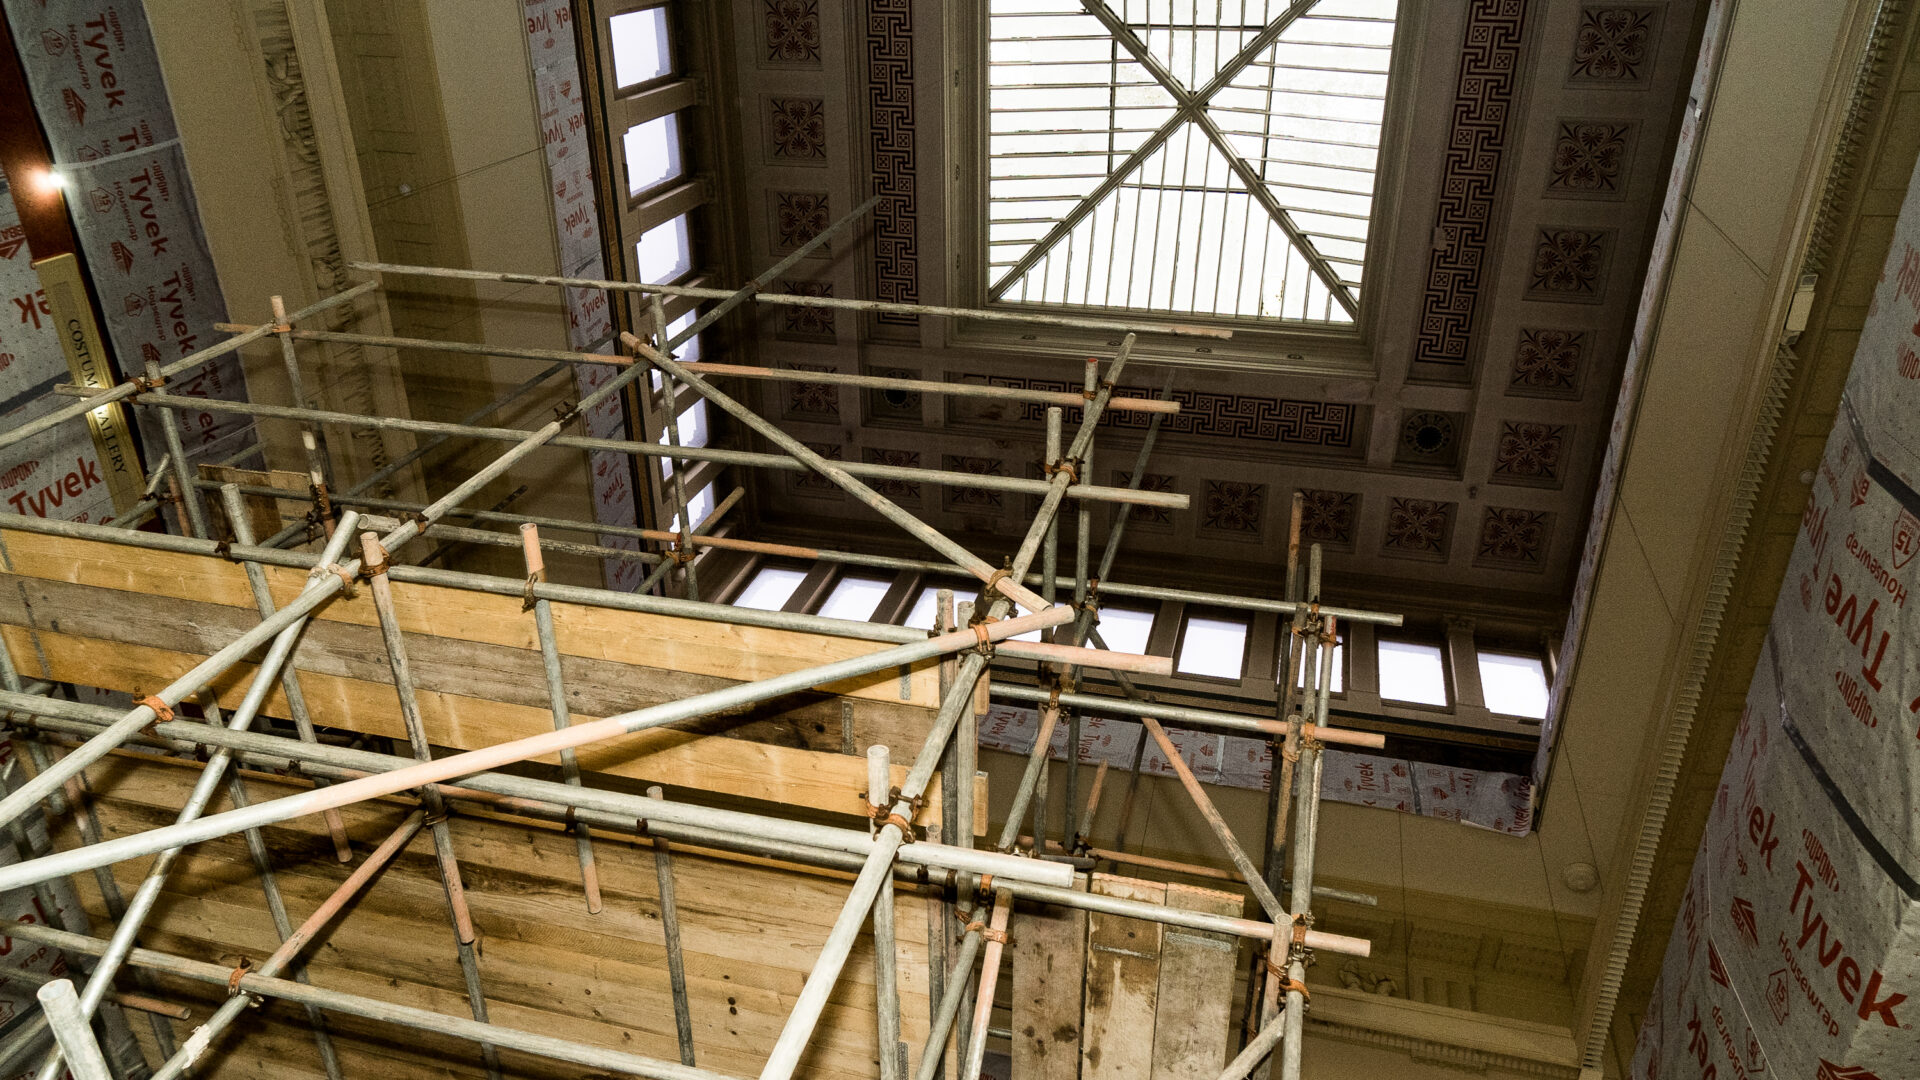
(1538, 137)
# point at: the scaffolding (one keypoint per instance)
(983, 885)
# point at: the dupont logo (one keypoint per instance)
(100, 199)
(18, 474)
(1822, 865)
(1830, 1071)
(1906, 538)
(1744, 921)
(1779, 996)
(52, 42)
(122, 257)
(76, 105)
(1717, 967)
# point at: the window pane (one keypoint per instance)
(924, 606)
(653, 153)
(640, 47)
(1413, 672)
(1514, 685)
(770, 589)
(1213, 647)
(699, 505)
(1337, 684)
(693, 432)
(1124, 629)
(920, 617)
(855, 598)
(664, 253)
(687, 351)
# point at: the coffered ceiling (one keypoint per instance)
(1447, 441)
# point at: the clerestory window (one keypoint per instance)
(1196, 157)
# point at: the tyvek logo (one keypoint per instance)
(1906, 538)
(1717, 967)
(1830, 1071)
(122, 258)
(52, 42)
(76, 106)
(1744, 921)
(1779, 998)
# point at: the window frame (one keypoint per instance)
(676, 67)
(1267, 345)
(1190, 612)
(1449, 685)
(1502, 647)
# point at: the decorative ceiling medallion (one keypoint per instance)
(959, 498)
(1546, 363)
(1514, 539)
(799, 126)
(793, 32)
(1234, 507)
(1570, 264)
(1419, 528)
(1614, 45)
(1327, 517)
(812, 484)
(897, 490)
(799, 216)
(799, 323)
(813, 400)
(893, 403)
(1589, 159)
(1529, 453)
(1147, 516)
(1428, 438)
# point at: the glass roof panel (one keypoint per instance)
(1198, 157)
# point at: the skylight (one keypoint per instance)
(1185, 157)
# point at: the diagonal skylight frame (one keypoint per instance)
(1288, 120)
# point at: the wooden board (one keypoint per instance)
(1049, 972)
(738, 653)
(750, 931)
(1122, 987)
(1197, 971)
(129, 619)
(736, 767)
